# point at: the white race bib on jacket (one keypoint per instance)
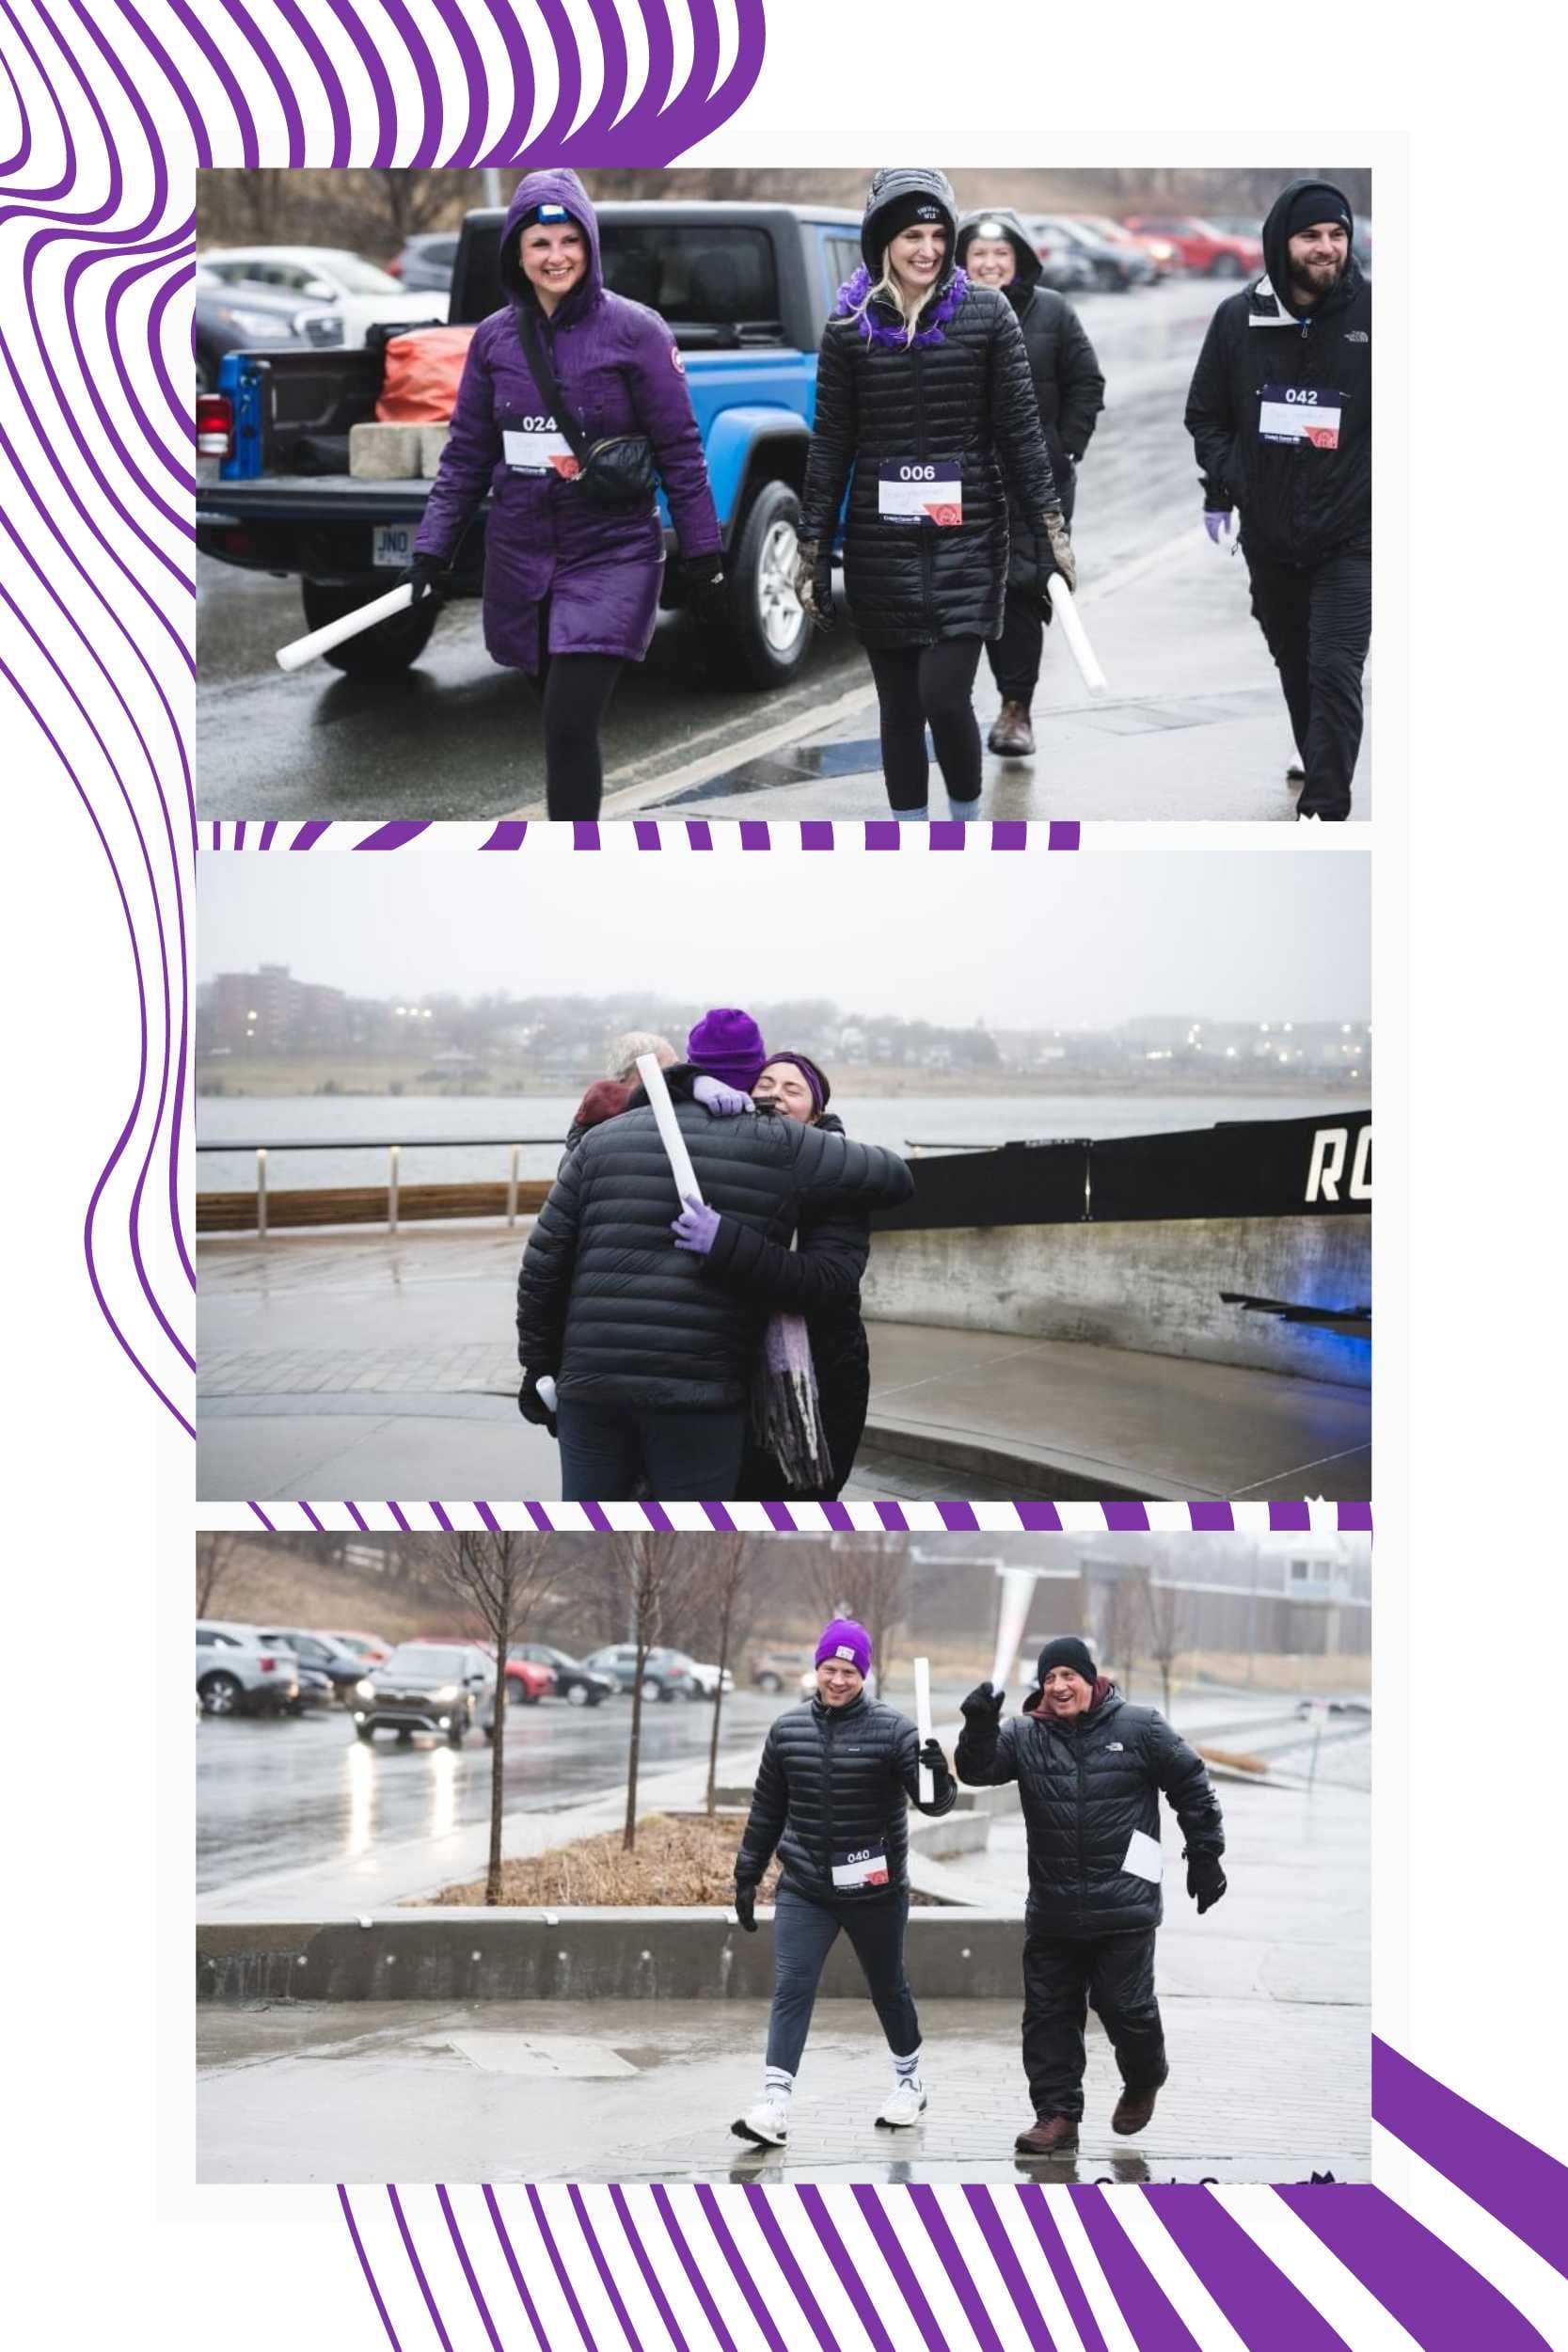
(532, 445)
(921, 490)
(866, 1866)
(1300, 412)
(1145, 1859)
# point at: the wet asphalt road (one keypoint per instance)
(458, 738)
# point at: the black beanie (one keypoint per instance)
(1315, 202)
(905, 212)
(1066, 1650)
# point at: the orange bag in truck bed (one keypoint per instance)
(424, 371)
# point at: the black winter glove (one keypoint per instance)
(703, 580)
(426, 576)
(1206, 1881)
(936, 1764)
(983, 1706)
(531, 1405)
(746, 1904)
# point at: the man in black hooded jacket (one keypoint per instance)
(1091, 1769)
(1280, 412)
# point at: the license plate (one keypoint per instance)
(392, 544)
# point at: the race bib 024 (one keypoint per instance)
(1300, 412)
(866, 1866)
(532, 445)
(921, 490)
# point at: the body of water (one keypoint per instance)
(425, 1127)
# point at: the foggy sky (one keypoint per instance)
(1071, 940)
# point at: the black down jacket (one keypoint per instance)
(1087, 1782)
(608, 1304)
(833, 1780)
(961, 396)
(1300, 500)
(1069, 386)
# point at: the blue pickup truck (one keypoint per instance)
(745, 288)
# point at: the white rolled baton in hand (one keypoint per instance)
(923, 1718)
(1017, 1593)
(669, 1129)
(1064, 607)
(321, 641)
(545, 1391)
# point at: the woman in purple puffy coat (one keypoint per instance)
(571, 590)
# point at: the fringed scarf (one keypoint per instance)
(898, 337)
(787, 1418)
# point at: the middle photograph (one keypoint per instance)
(788, 1177)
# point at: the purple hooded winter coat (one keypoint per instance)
(619, 371)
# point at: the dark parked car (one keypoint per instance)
(1065, 267)
(244, 318)
(427, 261)
(576, 1681)
(425, 1686)
(322, 1652)
(1118, 268)
(666, 1674)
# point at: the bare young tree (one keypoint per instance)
(1168, 1614)
(655, 1565)
(1122, 1611)
(498, 1575)
(217, 1557)
(864, 1576)
(725, 1563)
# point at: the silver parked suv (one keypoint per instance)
(235, 1676)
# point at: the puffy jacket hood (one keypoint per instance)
(1277, 260)
(551, 187)
(1029, 266)
(887, 187)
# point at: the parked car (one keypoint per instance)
(370, 1647)
(1361, 241)
(527, 1680)
(242, 317)
(1203, 244)
(235, 1676)
(1118, 268)
(709, 1677)
(341, 1666)
(1164, 254)
(777, 1669)
(315, 1690)
(441, 1687)
(1065, 267)
(427, 261)
(666, 1673)
(347, 294)
(575, 1680)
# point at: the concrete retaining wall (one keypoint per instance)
(1154, 1286)
(479, 1955)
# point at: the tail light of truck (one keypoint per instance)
(267, 1664)
(214, 425)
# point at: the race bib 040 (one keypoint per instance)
(532, 445)
(921, 490)
(1300, 412)
(866, 1866)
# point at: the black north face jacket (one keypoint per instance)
(836, 1781)
(1087, 1782)
(1303, 496)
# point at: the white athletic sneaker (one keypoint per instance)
(907, 2105)
(767, 2123)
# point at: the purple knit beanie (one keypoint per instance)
(846, 1640)
(728, 1044)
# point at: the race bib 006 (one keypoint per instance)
(866, 1866)
(1300, 412)
(532, 445)
(921, 490)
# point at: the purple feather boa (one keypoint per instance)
(897, 338)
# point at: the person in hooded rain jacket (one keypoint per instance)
(1091, 1769)
(571, 589)
(996, 249)
(923, 396)
(1280, 412)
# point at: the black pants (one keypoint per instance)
(573, 690)
(682, 1456)
(1015, 656)
(803, 1935)
(1063, 1978)
(1318, 622)
(921, 685)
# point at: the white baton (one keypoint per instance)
(923, 1718)
(1065, 610)
(668, 1128)
(321, 641)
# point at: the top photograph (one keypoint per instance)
(875, 494)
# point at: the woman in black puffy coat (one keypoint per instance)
(923, 394)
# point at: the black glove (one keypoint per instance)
(531, 1405)
(1206, 1881)
(746, 1904)
(936, 1764)
(982, 1710)
(702, 578)
(426, 576)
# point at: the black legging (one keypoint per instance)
(573, 690)
(916, 684)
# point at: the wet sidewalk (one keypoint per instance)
(422, 1402)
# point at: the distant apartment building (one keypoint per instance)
(269, 1011)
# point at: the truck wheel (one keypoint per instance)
(391, 645)
(221, 1695)
(769, 634)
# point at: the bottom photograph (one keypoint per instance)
(881, 1858)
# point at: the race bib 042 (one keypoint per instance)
(1300, 412)
(921, 490)
(866, 1866)
(532, 445)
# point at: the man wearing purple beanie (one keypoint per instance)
(652, 1363)
(838, 1773)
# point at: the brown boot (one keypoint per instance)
(1049, 2136)
(1134, 2110)
(1012, 735)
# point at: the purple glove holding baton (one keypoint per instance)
(696, 1228)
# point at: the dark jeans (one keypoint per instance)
(682, 1456)
(1063, 1978)
(573, 690)
(1318, 623)
(1015, 656)
(803, 1935)
(916, 684)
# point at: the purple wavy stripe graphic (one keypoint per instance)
(563, 2281)
(982, 2203)
(845, 2268)
(1030, 1518)
(1048, 2237)
(878, 2214)
(1427, 2287)
(417, 2267)
(695, 2276)
(474, 2288)
(650, 2276)
(929, 2206)
(1519, 2184)
(509, 2255)
(1140, 2298)
(607, 2276)
(1263, 2306)
(761, 2203)
(739, 2268)
(365, 2267)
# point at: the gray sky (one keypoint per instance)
(1076, 939)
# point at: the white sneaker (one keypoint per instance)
(907, 2105)
(768, 2123)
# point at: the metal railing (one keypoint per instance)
(515, 1145)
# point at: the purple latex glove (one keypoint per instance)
(1217, 522)
(720, 1101)
(696, 1228)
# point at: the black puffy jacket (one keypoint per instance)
(1301, 500)
(960, 395)
(608, 1304)
(1087, 1782)
(835, 1781)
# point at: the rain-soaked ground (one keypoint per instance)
(458, 738)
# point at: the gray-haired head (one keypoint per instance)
(625, 1052)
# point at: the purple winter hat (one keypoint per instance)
(728, 1044)
(846, 1640)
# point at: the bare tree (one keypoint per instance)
(498, 1575)
(725, 1560)
(217, 1556)
(1168, 1613)
(864, 1576)
(1122, 1610)
(656, 1563)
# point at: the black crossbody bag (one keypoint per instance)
(617, 472)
